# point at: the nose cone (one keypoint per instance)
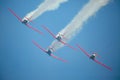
(24, 21)
(49, 52)
(59, 38)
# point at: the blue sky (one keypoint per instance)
(21, 60)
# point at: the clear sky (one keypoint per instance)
(20, 59)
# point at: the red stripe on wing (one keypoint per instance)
(49, 31)
(68, 45)
(34, 29)
(15, 14)
(36, 44)
(103, 65)
(83, 51)
(58, 58)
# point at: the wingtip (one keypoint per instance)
(110, 69)
(65, 61)
(77, 45)
(33, 41)
(9, 9)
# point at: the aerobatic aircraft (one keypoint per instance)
(93, 57)
(24, 21)
(49, 51)
(59, 37)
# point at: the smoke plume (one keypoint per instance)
(76, 24)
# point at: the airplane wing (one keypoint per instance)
(34, 29)
(49, 31)
(103, 65)
(58, 58)
(83, 51)
(67, 45)
(29, 26)
(15, 14)
(36, 44)
(95, 59)
(60, 40)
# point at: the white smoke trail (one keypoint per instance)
(77, 23)
(47, 5)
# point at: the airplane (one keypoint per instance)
(93, 57)
(48, 51)
(24, 21)
(59, 37)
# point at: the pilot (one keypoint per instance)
(93, 56)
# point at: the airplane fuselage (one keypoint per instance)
(93, 56)
(58, 38)
(25, 22)
(49, 52)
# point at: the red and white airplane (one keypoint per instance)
(49, 51)
(59, 37)
(93, 56)
(24, 21)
